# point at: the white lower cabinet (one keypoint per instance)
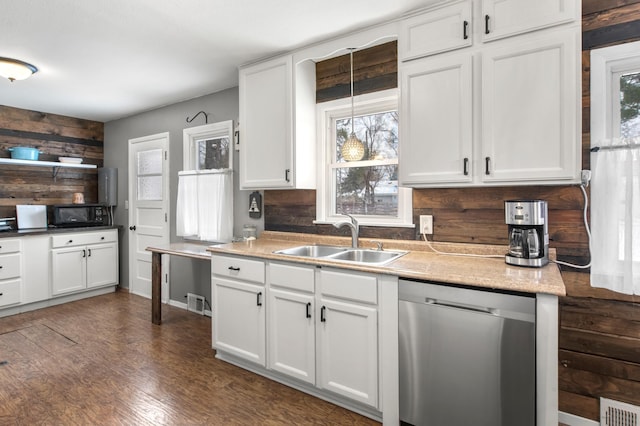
(83, 260)
(348, 335)
(239, 315)
(10, 272)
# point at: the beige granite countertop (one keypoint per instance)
(420, 263)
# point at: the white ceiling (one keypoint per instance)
(104, 60)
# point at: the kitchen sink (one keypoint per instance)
(312, 251)
(367, 256)
(344, 254)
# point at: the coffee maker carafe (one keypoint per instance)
(528, 232)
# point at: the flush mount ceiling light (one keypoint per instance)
(14, 69)
(353, 148)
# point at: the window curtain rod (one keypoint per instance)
(614, 147)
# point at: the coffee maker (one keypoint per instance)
(528, 232)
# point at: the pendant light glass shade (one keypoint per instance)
(353, 148)
(14, 69)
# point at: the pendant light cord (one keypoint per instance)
(351, 80)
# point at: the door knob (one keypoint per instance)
(132, 228)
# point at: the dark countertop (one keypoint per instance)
(44, 231)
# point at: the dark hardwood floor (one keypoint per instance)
(101, 361)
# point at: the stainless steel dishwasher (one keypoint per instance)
(467, 357)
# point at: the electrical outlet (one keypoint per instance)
(585, 177)
(426, 224)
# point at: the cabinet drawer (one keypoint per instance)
(9, 246)
(349, 285)
(293, 277)
(234, 267)
(9, 266)
(84, 238)
(10, 292)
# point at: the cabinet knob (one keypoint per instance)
(69, 242)
(1, 266)
(132, 228)
(1, 294)
(101, 238)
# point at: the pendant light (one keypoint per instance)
(14, 69)
(353, 148)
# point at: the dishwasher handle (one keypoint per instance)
(457, 305)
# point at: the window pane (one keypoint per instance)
(213, 153)
(150, 162)
(367, 190)
(149, 188)
(630, 105)
(378, 132)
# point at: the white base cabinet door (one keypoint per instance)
(239, 325)
(68, 270)
(348, 342)
(101, 259)
(292, 334)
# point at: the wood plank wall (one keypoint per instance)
(599, 329)
(55, 136)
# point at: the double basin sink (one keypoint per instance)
(344, 254)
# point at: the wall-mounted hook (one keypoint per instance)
(206, 117)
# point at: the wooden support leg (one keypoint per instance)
(156, 287)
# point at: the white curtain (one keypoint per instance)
(615, 216)
(204, 208)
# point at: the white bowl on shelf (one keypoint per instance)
(72, 160)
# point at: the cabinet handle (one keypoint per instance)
(465, 26)
(259, 299)
(486, 24)
(465, 166)
(233, 268)
(487, 164)
(309, 310)
(89, 250)
(286, 174)
(323, 317)
(84, 253)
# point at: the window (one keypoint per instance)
(615, 162)
(366, 188)
(208, 147)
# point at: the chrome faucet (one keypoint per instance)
(355, 229)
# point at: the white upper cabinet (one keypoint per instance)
(440, 30)
(505, 112)
(502, 18)
(436, 128)
(273, 154)
(530, 108)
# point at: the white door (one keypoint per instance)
(436, 129)
(292, 336)
(100, 261)
(348, 345)
(148, 208)
(239, 325)
(530, 101)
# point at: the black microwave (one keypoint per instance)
(67, 215)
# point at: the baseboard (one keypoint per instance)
(573, 420)
(207, 313)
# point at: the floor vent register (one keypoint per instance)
(616, 413)
(195, 303)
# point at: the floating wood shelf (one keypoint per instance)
(54, 164)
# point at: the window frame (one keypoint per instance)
(207, 131)
(327, 113)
